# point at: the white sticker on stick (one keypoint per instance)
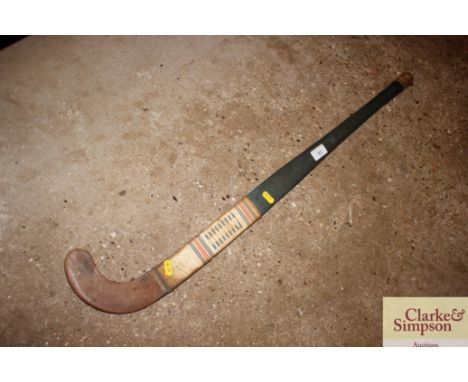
(319, 152)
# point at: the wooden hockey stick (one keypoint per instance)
(126, 297)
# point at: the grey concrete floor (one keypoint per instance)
(99, 134)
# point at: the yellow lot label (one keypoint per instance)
(266, 195)
(168, 268)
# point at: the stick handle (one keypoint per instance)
(275, 187)
(201, 249)
(355, 120)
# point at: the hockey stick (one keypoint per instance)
(126, 297)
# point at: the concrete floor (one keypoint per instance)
(99, 134)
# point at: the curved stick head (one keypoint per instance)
(106, 295)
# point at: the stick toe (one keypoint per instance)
(107, 295)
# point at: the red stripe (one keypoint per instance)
(252, 207)
(246, 212)
(202, 250)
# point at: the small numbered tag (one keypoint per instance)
(319, 152)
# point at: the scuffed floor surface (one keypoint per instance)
(128, 147)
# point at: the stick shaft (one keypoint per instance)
(180, 266)
(269, 192)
